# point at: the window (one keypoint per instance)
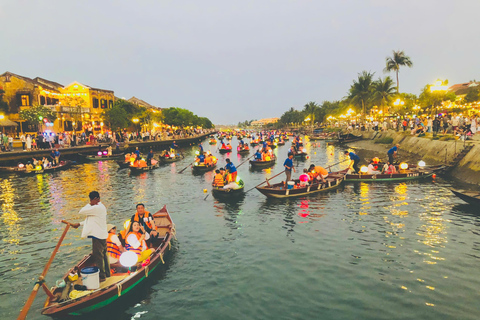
(49, 101)
(95, 102)
(110, 104)
(25, 100)
(42, 100)
(103, 103)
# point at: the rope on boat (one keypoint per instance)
(119, 289)
(174, 231)
(146, 271)
(161, 258)
(169, 245)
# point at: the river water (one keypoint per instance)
(365, 251)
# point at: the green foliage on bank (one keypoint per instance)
(37, 113)
(184, 117)
(384, 140)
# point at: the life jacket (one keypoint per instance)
(147, 218)
(218, 180)
(142, 163)
(112, 249)
(229, 178)
(128, 247)
(127, 157)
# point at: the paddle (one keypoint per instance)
(246, 160)
(41, 282)
(185, 167)
(265, 181)
(328, 168)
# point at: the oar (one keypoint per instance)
(266, 181)
(185, 167)
(246, 160)
(336, 164)
(40, 282)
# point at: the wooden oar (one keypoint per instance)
(266, 181)
(41, 279)
(185, 167)
(246, 160)
(336, 164)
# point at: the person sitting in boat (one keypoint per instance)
(231, 169)
(304, 178)
(146, 220)
(109, 150)
(200, 158)
(114, 246)
(264, 145)
(127, 157)
(258, 155)
(149, 157)
(318, 172)
(355, 160)
(137, 153)
(223, 145)
(218, 179)
(229, 146)
(390, 168)
(208, 159)
(135, 241)
(371, 168)
(242, 144)
(29, 166)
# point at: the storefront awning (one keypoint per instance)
(7, 123)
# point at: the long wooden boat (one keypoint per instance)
(262, 163)
(224, 150)
(279, 190)
(349, 137)
(402, 175)
(300, 155)
(200, 168)
(121, 281)
(64, 165)
(143, 169)
(103, 157)
(123, 164)
(470, 197)
(221, 192)
(170, 159)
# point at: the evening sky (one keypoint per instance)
(237, 60)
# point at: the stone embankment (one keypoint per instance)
(465, 165)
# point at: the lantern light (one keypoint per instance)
(128, 259)
(99, 153)
(403, 166)
(21, 165)
(126, 224)
(421, 163)
(38, 168)
(105, 152)
(364, 169)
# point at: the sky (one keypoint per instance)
(232, 60)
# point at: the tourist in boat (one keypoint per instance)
(109, 150)
(95, 227)
(114, 246)
(304, 178)
(264, 144)
(137, 153)
(127, 157)
(200, 158)
(355, 160)
(242, 144)
(392, 153)
(371, 168)
(258, 155)
(389, 168)
(288, 164)
(223, 173)
(223, 145)
(231, 169)
(29, 166)
(135, 241)
(318, 173)
(208, 159)
(218, 179)
(146, 220)
(174, 146)
(149, 157)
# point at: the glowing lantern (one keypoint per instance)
(128, 259)
(403, 166)
(376, 160)
(421, 163)
(99, 153)
(126, 224)
(21, 165)
(304, 150)
(363, 169)
(197, 152)
(38, 168)
(105, 152)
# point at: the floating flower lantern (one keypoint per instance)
(363, 169)
(403, 166)
(421, 163)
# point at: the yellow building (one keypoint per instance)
(79, 107)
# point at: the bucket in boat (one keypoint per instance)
(90, 277)
(290, 184)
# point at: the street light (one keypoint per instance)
(2, 117)
(136, 120)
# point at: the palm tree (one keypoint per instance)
(384, 90)
(310, 109)
(394, 63)
(360, 92)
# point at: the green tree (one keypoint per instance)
(37, 114)
(116, 117)
(472, 95)
(291, 116)
(431, 100)
(399, 59)
(310, 110)
(361, 91)
(383, 92)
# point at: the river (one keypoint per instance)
(365, 251)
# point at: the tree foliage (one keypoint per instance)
(117, 117)
(37, 113)
(183, 117)
(397, 60)
(429, 99)
(361, 91)
(383, 92)
(472, 95)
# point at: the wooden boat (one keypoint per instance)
(143, 169)
(349, 137)
(243, 151)
(121, 281)
(281, 143)
(103, 157)
(470, 197)
(402, 175)
(300, 155)
(212, 142)
(224, 150)
(272, 145)
(64, 165)
(170, 159)
(261, 163)
(253, 143)
(279, 190)
(221, 192)
(201, 168)
(123, 164)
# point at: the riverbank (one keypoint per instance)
(432, 151)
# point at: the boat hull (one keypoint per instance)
(202, 169)
(65, 166)
(472, 198)
(143, 169)
(262, 164)
(275, 192)
(223, 151)
(102, 158)
(388, 177)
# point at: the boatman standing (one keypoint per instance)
(355, 160)
(149, 157)
(392, 153)
(231, 169)
(288, 164)
(95, 227)
(201, 147)
(137, 153)
(258, 155)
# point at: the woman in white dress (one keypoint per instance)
(473, 126)
(29, 142)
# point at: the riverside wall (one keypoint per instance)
(431, 151)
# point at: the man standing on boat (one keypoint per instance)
(288, 164)
(355, 161)
(392, 153)
(95, 227)
(231, 169)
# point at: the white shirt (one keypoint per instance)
(96, 222)
(371, 169)
(132, 240)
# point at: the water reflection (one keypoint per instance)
(9, 216)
